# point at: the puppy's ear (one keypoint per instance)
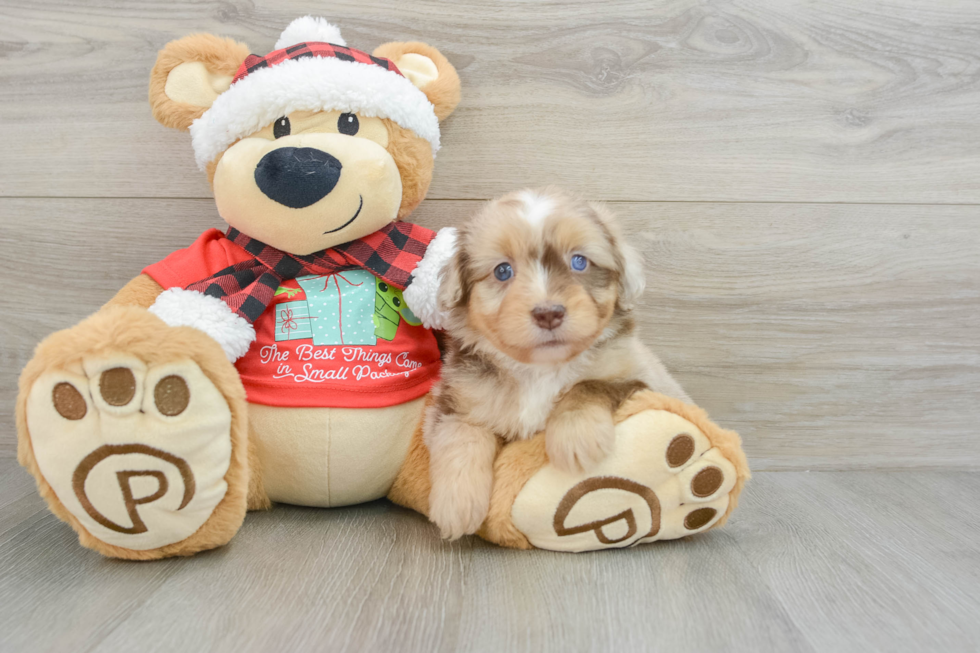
(451, 282)
(428, 70)
(632, 280)
(190, 74)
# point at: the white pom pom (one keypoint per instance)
(309, 28)
(422, 295)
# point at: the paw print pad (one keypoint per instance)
(136, 453)
(664, 480)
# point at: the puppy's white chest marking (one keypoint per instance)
(539, 389)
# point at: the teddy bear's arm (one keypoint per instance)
(141, 291)
(179, 307)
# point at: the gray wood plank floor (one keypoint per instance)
(820, 561)
(804, 181)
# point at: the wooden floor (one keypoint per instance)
(820, 561)
(803, 178)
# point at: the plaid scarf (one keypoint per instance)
(248, 287)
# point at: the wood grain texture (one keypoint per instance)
(872, 549)
(830, 336)
(872, 101)
(846, 561)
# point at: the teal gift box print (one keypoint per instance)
(293, 321)
(341, 307)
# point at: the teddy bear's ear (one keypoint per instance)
(428, 70)
(190, 73)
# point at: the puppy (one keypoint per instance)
(537, 303)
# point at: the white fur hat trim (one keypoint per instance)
(311, 84)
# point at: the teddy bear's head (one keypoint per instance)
(315, 144)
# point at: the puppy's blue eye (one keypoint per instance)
(579, 262)
(503, 272)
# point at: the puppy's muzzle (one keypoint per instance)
(548, 317)
(297, 177)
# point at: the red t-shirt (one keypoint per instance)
(326, 341)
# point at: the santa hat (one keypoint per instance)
(311, 69)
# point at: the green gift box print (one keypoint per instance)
(293, 321)
(389, 310)
(341, 307)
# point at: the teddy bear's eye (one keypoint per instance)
(383, 287)
(281, 127)
(397, 302)
(348, 124)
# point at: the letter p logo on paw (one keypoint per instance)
(125, 479)
(137, 454)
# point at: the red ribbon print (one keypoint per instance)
(288, 322)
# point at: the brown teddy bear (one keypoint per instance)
(289, 358)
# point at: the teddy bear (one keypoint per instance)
(290, 359)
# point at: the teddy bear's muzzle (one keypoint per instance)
(297, 177)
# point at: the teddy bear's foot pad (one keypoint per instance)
(663, 480)
(136, 453)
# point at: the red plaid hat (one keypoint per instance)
(254, 62)
(311, 69)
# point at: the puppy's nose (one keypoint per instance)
(297, 176)
(548, 317)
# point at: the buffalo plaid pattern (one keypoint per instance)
(248, 288)
(254, 62)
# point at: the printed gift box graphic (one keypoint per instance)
(293, 321)
(340, 307)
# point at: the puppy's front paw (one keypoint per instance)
(459, 509)
(579, 439)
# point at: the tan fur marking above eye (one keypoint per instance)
(501, 236)
(581, 236)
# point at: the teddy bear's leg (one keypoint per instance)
(412, 485)
(672, 473)
(136, 433)
(257, 498)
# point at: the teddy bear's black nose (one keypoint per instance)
(297, 176)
